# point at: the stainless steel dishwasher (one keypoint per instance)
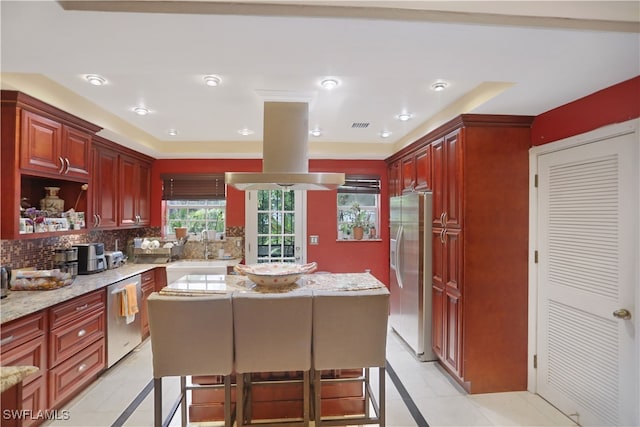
(122, 337)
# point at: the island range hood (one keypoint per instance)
(284, 154)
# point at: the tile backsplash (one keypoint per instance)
(39, 253)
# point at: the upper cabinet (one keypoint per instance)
(122, 182)
(135, 187)
(50, 148)
(42, 146)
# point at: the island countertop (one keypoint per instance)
(200, 284)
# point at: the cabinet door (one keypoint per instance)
(423, 168)
(438, 181)
(453, 180)
(40, 145)
(105, 185)
(76, 147)
(452, 308)
(34, 392)
(143, 202)
(408, 173)
(437, 321)
(128, 190)
(394, 179)
(446, 175)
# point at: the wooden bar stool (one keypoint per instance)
(191, 335)
(349, 332)
(272, 333)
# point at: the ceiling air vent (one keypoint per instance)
(359, 125)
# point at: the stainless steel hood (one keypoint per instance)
(284, 154)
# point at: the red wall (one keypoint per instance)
(340, 256)
(614, 104)
(331, 255)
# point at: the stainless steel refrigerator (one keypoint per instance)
(410, 221)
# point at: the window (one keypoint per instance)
(194, 201)
(359, 205)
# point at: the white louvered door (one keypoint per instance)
(588, 229)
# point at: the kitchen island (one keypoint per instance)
(272, 399)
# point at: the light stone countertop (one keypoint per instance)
(12, 375)
(21, 303)
(199, 284)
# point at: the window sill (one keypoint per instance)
(358, 241)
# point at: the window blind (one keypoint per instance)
(193, 187)
(360, 184)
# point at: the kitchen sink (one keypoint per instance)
(177, 269)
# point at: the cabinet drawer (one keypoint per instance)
(147, 277)
(19, 331)
(75, 373)
(76, 308)
(72, 337)
(31, 353)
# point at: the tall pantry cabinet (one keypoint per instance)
(479, 180)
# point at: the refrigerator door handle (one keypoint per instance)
(398, 258)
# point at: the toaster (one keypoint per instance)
(114, 259)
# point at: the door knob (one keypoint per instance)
(622, 313)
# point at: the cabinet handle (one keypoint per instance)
(442, 239)
(442, 219)
(445, 215)
(68, 165)
(99, 220)
(82, 307)
(61, 164)
(7, 340)
(82, 333)
(82, 367)
(95, 220)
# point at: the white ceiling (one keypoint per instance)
(499, 58)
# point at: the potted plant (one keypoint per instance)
(360, 220)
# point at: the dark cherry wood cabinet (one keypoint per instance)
(479, 179)
(76, 345)
(423, 169)
(408, 173)
(135, 189)
(24, 343)
(105, 186)
(41, 146)
(48, 147)
(394, 179)
(148, 279)
(122, 181)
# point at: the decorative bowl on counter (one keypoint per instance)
(275, 274)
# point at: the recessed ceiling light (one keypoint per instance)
(385, 134)
(245, 131)
(95, 79)
(141, 111)
(403, 117)
(315, 132)
(172, 132)
(329, 84)
(212, 80)
(439, 86)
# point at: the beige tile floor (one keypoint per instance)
(439, 399)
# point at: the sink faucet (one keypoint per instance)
(205, 241)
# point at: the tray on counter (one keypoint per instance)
(157, 256)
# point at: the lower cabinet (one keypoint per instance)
(75, 373)
(148, 279)
(76, 345)
(24, 343)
